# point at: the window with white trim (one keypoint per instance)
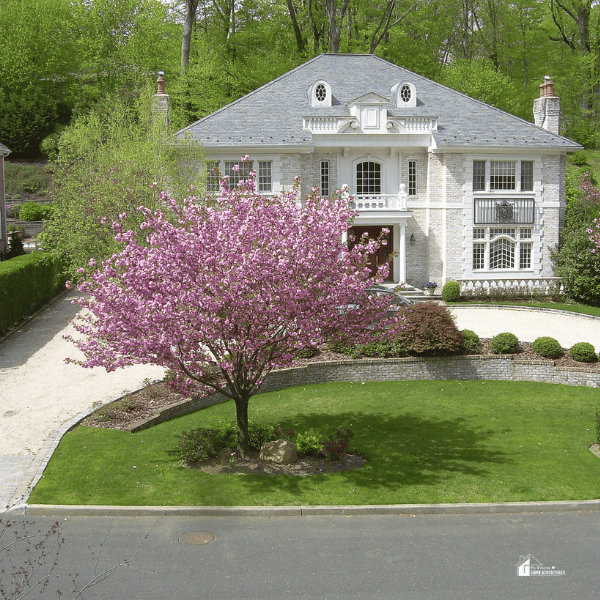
(412, 177)
(368, 178)
(502, 248)
(526, 175)
(324, 187)
(479, 175)
(265, 180)
(213, 175)
(235, 176)
(507, 175)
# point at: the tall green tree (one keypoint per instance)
(112, 161)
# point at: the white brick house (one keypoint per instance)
(470, 192)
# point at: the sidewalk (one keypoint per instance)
(41, 397)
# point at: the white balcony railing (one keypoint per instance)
(331, 125)
(379, 202)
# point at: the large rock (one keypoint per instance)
(282, 452)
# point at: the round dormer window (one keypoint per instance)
(321, 92)
(405, 93)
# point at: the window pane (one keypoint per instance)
(368, 178)
(324, 178)
(525, 256)
(478, 256)
(502, 175)
(479, 175)
(236, 176)
(412, 177)
(502, 254)
(526, 175)
(264, 177)
(212, 175)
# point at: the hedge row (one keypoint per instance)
(27, 283)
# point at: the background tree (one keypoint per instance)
(222, 295)
(108, 162)
(577, 260)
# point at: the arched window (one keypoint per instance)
(368, 178)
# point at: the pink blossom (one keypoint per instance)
(237, 288)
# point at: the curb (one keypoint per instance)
(43, 510)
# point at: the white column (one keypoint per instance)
(402, 252)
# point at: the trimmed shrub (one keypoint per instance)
(547, 347)
(307, 352)
(505, 343)
(32, 211)
(583, 352)
(339, 443)
(308, 443)
(451, 291)
(27, 283)
(258, 435)
(429, 331)
(205, 443)
(15, 243)
(470, 341)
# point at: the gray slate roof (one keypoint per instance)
(272, 114)
(3, 149)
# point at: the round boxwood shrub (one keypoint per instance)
(451, 291)
(470, 341)
(505, 343)
(583, 352)
(547, 347)
(31, 211)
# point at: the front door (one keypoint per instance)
(384, 253)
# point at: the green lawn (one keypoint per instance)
(426, 442)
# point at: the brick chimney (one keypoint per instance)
(546, 108)
(161, 106)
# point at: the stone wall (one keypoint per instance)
(499, 368)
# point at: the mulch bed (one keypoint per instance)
(311, 465)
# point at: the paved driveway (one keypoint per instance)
(528, 324)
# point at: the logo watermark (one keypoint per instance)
(529, 566)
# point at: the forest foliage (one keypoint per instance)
(60, 57)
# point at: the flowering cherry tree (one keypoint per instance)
(223, 294)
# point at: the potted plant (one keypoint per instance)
(430, 287)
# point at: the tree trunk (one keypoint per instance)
(241, 405)
(299, 39)
(188, 27)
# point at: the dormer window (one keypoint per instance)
(404, 94)
(320, 94)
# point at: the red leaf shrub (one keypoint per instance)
(429, 330)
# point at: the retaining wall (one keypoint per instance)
(501, 368)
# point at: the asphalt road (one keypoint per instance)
(429, 557)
